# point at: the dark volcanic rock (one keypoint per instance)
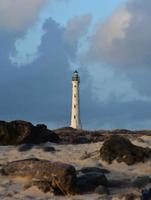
(61, 176)
(48, 149)
(131, 196)
(94, 170)
(141, 181)
(77, 136)
(114, 183)
(79, 140)
(44, 186)
(121, 149)
(88, 182)
(101, 190)
(146, 194)
(25, 147)
(20, 132)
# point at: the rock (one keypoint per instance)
(141, 181)
(48, 149)
(61, 176)
(101, 190)
(121, 149)
(25, 147)
(122, 183)
(44, 186)
(94, 169)
(79, 140)
(41, 134)
(20, 132)
(78, 136)
(88, 182)
(131, 196)
(146, 194)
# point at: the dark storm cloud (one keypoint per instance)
(40, 91)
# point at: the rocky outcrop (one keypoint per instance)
(130, 196)
(146, 194)
(61, 176)
(121, 149)
(90, 181)
(141, 181)
(69, 135)
(54, 177)
(86, 170)
(102, 190)
(20, 132)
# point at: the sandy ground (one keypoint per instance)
(11, 189)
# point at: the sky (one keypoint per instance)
(44, 41)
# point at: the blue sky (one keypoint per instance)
(62, 12)
(42, 42)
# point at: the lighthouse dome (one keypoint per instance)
(75, 74)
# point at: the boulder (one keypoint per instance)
(101, 190)
(79, 140)
(14, 132)
(121, 149)
(20, 132)
(61, 176)
(88, 182)
(141, 181)
(131, 196)
(25, 147)
(119, 183)
(146, 194)
(79, 136)
(49, 149)
(94, 169)
(41, 134)
(44, 186)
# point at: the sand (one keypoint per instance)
(13, 189)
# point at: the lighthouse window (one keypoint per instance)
(74, 106)
(75, 96)
(74, 117)
(75, 86)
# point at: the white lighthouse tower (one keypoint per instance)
(75, 110)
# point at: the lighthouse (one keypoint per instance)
(75, 108)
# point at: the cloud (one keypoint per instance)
(76, 28)
(124, 38)
(18, 14)
(41, 91)
(113, 85)
(118, 56)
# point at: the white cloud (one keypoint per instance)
(113, 85)
(17, 14)
(113, 28)
(124, 38)
(76, 28)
